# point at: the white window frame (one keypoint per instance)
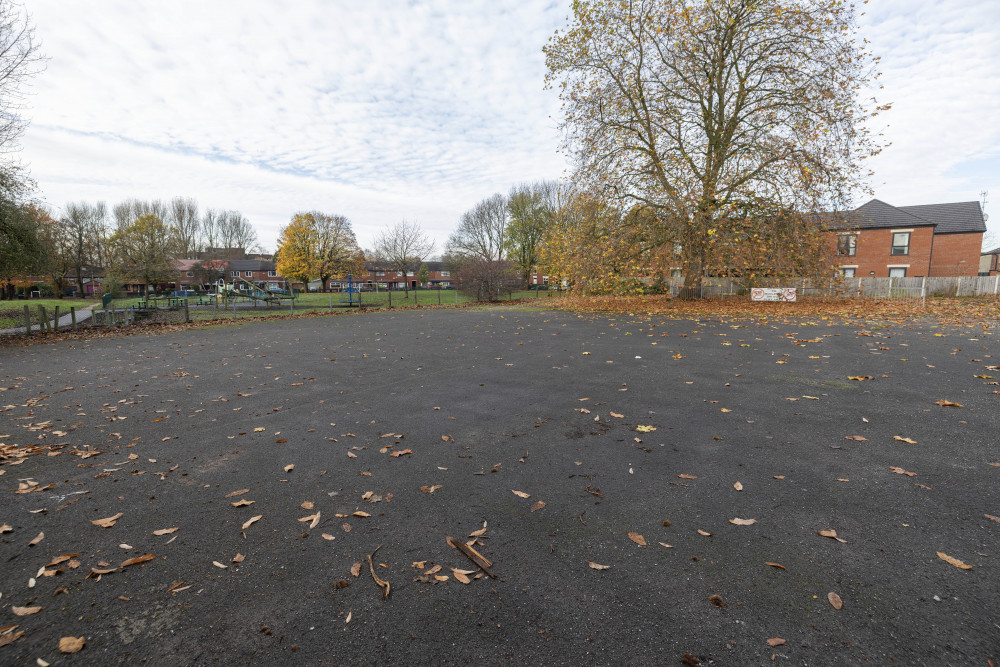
(446, 274)
(272, 274)
(248, 274)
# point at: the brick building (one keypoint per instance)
(881, 240)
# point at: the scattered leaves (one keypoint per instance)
(638, 539)
(900, 471)
(742, 522)
(777, 641)
(431, 489)
(166, 531)
(25, 611)
(72, 644)
(252, 520)
(520, 494)
(953, 561)
(831, 533)
(108, 522)
(538, 505)
(948, 404)
(595, 566)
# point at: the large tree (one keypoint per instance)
(719, 116)
(184, 219)
(530, 210)
(144, 250)
(337, 250)
(83, 230)
(477, 250)
(403, 247)
(296, 253)
(20, 60)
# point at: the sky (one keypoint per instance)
(390, 110)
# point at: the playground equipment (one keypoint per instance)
(258, 294)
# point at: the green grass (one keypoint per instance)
(12, 312)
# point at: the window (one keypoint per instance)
(272, 274)
(897, 271)
(409, 273)
(545, 280)
(848, 271)
(379, 274)
(847, 245)
(190, 274)
(235, 274)
(445, 284)
(446, 274)
(900, 243)
(272, 286)
(399, 274)
(248, 273)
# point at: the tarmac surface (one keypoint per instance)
(619, 425)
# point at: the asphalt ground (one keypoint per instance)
(484, 403)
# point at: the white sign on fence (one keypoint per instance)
(772, 294)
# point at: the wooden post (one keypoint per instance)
(27, 319)
(56, 321)
(43, 317)
(107, 317)
(439, 296)
(187, 312)
(72, 316)
(390, 298)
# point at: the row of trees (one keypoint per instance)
(133, 241)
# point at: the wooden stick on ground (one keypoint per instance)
(383, 584)
(472, 555)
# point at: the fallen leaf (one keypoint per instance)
(638, 539)
(859, 438)
(125, 546)
(252, 520)
(777, 565)
(595, 566)
(900, 471)
(704, 532)
(138, 559)
(165, 531)
(737, 486)
(25, 611)
(835, 600)
(71, 644)
(306, 505)
(992, 518)
(778, 476)
(220, 565)
(717, 601)
(665, 545)
(460, 576)
(328, 536)
(346, 527)
(258, 429)
(431, 489)
(290, 467)
(350, 613)
(239, 558)
(538, 505)
(906, 440)
(362, 514)
(520, 494)
(356, 569)
(108, 522)
(948, 404)
(617, 416)
(831, 533)
(725, 410)
(477, 533)
(38, 538)
(447, 438)
(8, 636)
(243, 503)
(401, 452)
(645, 429)
(5, 528)
(953, 561)
(686, 476)
(743, 522)
(777, 641)
(859, 378)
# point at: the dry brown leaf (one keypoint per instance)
(328, 536)
(665, 545)
(638, 539)
(362, 514)
(356, 569)
(108, 522)
(5, 528)
(835, 600)
(233, 494)
(775, 641)
(537, 505)
(25, 611)
(858, 438)
(831, 533)
(165, 531)
(596, 566)
(953, 561)
(38, 538)
(777, 565)
(352, 455)
(948, 404)
(460, 576)
(778, 476)
(704, 532)
(717, 600)
(252, 520)
(686, 476)
(350, 614)
(447, 438)
(8, 636)
(138, 559)
(220, 565)
(738, 486)
(906, 440)
(243, 503)
(477, 533)
(401, 452)
(306, 505)
(520, 494)
(434, 570)
(290, 467)
(900, 471)
(346, 526)
(72, 644)
(742, 522)
(239, 558)
(431, 489)
(992, 518)
(725, 410)
(617, 416)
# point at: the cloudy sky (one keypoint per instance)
(386, 110)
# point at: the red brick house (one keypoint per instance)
(989, 263)
(881, 240)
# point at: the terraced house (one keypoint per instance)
(881, 240)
